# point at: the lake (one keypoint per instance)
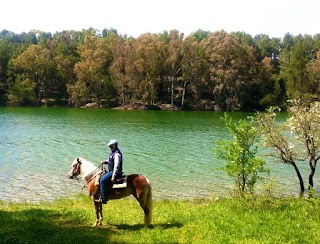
(174, 149)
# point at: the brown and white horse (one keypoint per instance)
(136, 185)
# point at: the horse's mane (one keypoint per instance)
(86, 167)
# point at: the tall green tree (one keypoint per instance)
(35, 69)
(293, 64)
(6, 50)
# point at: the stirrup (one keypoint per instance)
(99, 200)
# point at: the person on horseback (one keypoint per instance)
(114, 169)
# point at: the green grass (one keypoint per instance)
(230, 220)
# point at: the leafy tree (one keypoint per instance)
(304, 142)
(267, 47)
(22, 92)
(122, 68)
(233, 80)
(6, 50)
(92, 70)
(272, 87)
(293, 64)
(313, 69)
(150, 56)
(199, 34)
(240, 154)
(35, 66)
(109, 32)
(195, 69)
(244, 38)
(304, 123)
(276, 137)
(174, 59)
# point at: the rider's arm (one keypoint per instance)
(116, 165)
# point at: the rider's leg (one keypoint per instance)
(104, 182)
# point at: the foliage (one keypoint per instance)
(230, 220)
(204, 71)
(240, 154)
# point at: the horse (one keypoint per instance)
(137, 185)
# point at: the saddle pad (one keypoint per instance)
(122, 185)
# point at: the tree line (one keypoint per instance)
(205, 70)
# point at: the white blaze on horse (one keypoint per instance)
(135, 184)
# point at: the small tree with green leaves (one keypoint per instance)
(240, 154)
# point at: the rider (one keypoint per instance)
(114, 169)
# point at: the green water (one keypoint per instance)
(173, 149)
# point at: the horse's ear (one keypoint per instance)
(78, 160)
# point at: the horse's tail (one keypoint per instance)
(149, 202)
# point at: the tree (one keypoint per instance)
(174, 59)
(304, 123)
(92, 70)
(199, 34)
(22, 92)
(267, 47)
(293, 64)
(313, 69)
(233, 81)
(121, 69)
(195, 70)
(6, 50)
(150, 56)
(240, 154)
(36, 67)
(275, 136)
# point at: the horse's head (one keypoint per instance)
(75, 170)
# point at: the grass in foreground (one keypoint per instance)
(259, 220)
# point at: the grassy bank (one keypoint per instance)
(262, 220)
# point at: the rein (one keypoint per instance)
(94, 174)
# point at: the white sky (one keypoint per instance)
(134, 17)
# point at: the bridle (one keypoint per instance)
(76, 169)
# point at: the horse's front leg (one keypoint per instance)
(99, 217)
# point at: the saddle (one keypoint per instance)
(119, 183)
